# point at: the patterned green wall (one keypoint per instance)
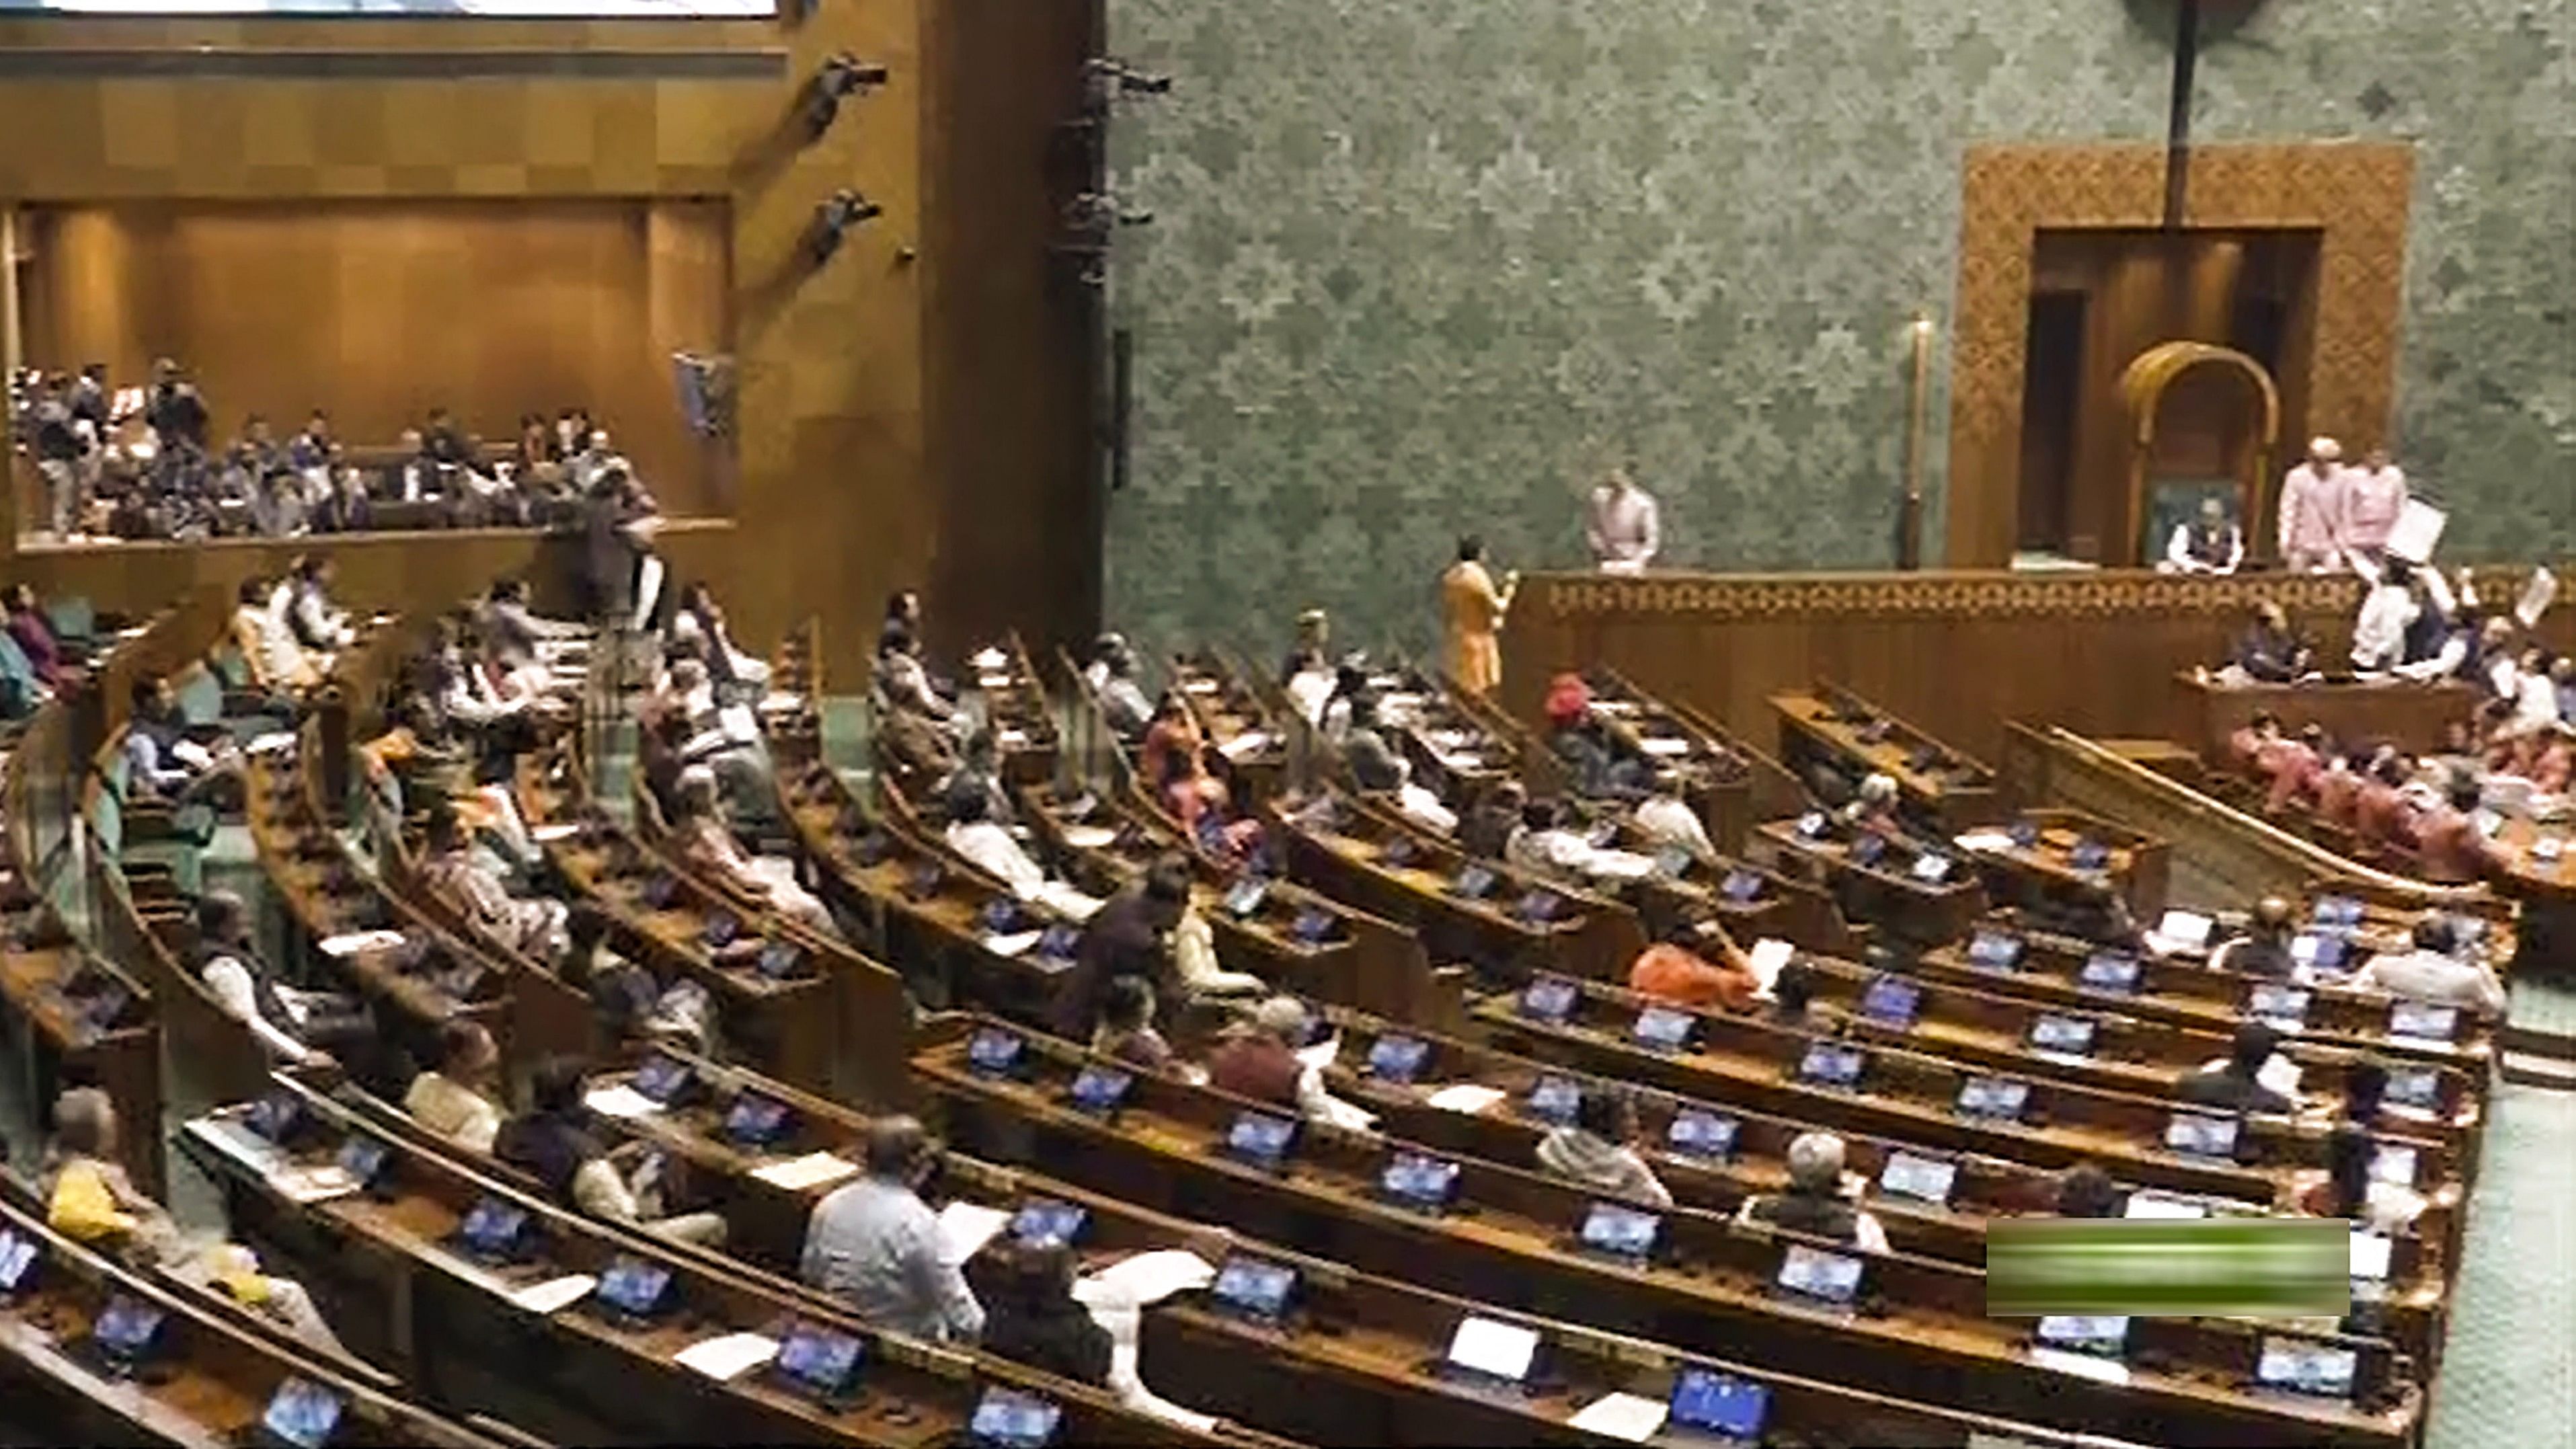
(1419, 268)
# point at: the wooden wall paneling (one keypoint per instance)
(1009, 371)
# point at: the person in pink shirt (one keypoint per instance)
(2312, 510)
(2374, 494)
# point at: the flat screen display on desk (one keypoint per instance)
(2423, 1021)
(1924, 1179)
(1101, 1089)
(1493, 1348)
(2106, 1334)
(1994, 951)
(1663, 1028)
(1694, 1133)
(1891, 1001)
(1046, 1223)
(1245, 896)
(1249, 1285)
(1831, 1064)
(2305, 1366)
(995, 1053)
(127, 1328)
(303, 1413)
(1549, 998)
(2111, 971)
(1397, 1059)
(2065, 1035)
(2417, 1087)
(635, 1287)
(1814, 1273)
(1554, 1099)
(818, 1359)
(1260, 1139)
(1719, 1404)
(1010, 1419)
(1740, 885)
(1998, 1098)
(494, 1229)
(1419, 1181)
(2194, 1135)
(18, 1256)
(1621, 1232)
(756, 1120)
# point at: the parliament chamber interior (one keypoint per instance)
(1095, 723)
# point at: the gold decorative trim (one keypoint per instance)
(2356, 194)
(1951, 594)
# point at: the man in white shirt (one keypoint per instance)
(2388, 609)
(1622, 525)
(2312, 509)
(1667, 822)
(1112, 674)
(2431, 973)
(2374, 495)
(972, 834)
(874, 1244)
(285, 1020)
(2210, 545)
(452, 1100)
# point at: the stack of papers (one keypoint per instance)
(1145, 1279)
(811, 1170)
(964, 1229)
(1621, 1416)
(620, 1101)
(1012, 944)
(729, 1356)
(1977, 840)
(1088, 837)
(319, 1183)
(357, 941)
(1321, 1054)
(555, 1294)
(1465, 1097)
(1767, 957)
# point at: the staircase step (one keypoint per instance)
(2550, 1073)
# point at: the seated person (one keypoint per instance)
(2450, 849)
(2290, 768)
(1548, 846)
(1878, 808)
(1597, 766)
(634, 1007)
(1112, 675)
(2086, 1191)
(973, 834)
(1818, 1200)
(874, 1244)
(302, 1028)
(701, 619)
(1598, 1149)
(1174, 758)
(2208, 544)
(703, 844)
(2381, 817)
(89, 1198)
(320, 627)
(277, 665)
(2338, 789)
(980, 769)
(1487, 829)
(2346, 1189)
(2264, 949)
(1126, 1030)
(2268, 652)
(1665, 821)
(1793, 995)
(35, 636)
(551, 1142)
(1379, 770)
(458, 874)
(507, 624)
(454, 1099)
(2235, 1084)
(164, 764)
(1308, 655)
(1257, 1058)
(1196, 973)
(1680, 969)
(902, 683)
(2431, 973)
(1031, 1315)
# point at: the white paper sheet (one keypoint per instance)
(1465, 1097)
(728, 1356)
(357, 941)
(1245, 745)
(2536, 598)
(1014, 943)
(1667, 745)
(1144, 1280)
(1320, 1055)
(781, 702)
(811, 1170)
(2417, 530)
(1977, 840)
(964, 1229)
(1621, 1416)
(319, 1183)
(237, 1142)
(559, 830)
(620, 1101)
(555, 1294)
(1978, 1439)
(989, 658)
(1766, 958)
(1088, 837)
(2082, 1365)
(276, 740)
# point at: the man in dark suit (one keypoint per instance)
(2233, 1084)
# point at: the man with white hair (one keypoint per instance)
(1622, 525)
(1260, 1059)
(1818, 1200)
(2313, 500)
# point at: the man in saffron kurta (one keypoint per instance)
(1473, 610)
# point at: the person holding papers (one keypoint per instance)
(972, 834)
(1032, 1316)
(1598, 1150)
(2236, 1083)
(1818, 1200)
(2450, 849)
(701, 619)
(1675, 970)
(551, 1142)
(2430, 973)
(2347, 1188)
(164, 764)
(874, 1244)
(453, 1100)
(1257, 1058)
